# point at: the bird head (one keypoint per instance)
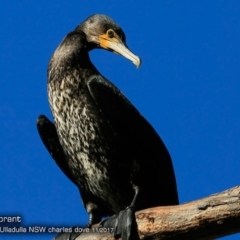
(102, 32)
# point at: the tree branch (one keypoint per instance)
(208, 218)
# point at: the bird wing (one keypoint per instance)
(49, 137)
(117, 109)
(143, 145)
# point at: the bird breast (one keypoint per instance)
(80, 135)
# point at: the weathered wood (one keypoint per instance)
(207, 218)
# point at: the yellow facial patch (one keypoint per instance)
(105, 40)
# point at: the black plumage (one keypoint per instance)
(101, 142)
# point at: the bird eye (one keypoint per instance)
(110, 34)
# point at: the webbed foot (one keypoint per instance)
(124, 224)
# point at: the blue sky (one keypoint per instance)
(187, 87)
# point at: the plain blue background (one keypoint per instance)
(187, 87)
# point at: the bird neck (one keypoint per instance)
(71, 58)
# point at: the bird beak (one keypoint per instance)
(117, 46)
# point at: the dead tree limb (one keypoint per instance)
(208, 218)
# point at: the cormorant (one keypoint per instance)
(99, 139)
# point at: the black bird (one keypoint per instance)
(99, 139)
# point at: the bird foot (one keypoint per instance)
(124, 224)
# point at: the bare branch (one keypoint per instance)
(205, 219)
